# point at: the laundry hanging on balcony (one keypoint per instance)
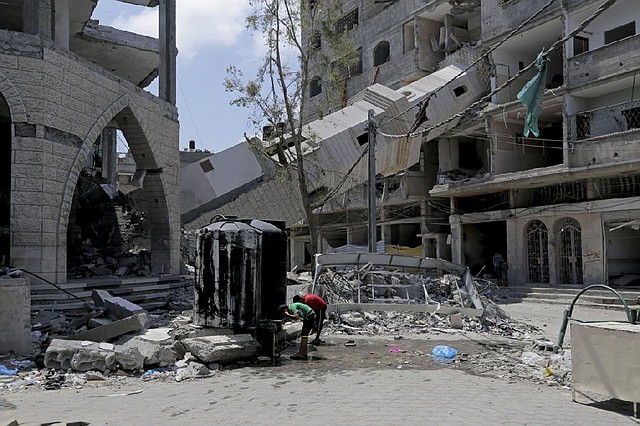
(531, 96)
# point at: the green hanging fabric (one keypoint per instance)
(531, 96)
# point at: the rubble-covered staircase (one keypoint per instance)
(148, 292)
(564, 295)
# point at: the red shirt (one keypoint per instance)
(314, 302)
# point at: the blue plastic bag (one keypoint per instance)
(443, 353)
(6, 372)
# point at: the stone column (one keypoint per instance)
(110, 155)
(168, 51)
(37, 17)
(61, 21)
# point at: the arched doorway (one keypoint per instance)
(537, 252)
(119, 220)
(569, 243)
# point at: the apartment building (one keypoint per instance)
(561, 207)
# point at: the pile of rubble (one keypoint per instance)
(112, 262)
(118, 338)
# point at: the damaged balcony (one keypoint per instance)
(607, 48)
(605, 135)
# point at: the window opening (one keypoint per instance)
(460, 90)
(580, 45)
(381, 53)
(347, 22)
(569, 237)
(315, 87)
(618, 33)
(537, 252)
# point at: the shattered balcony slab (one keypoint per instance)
(131, 56)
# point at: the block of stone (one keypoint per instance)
(85, 356)
(155, 345)
(107, 332)
(221, 348)
(98, 297)
(121, 308)
(97, 322)
(456, 321)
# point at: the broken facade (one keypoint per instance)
(68, 87)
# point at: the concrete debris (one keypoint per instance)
(85, 356)
(115, 329)
(117, 307)
(222, 348)
(193, 370)
(155, 346)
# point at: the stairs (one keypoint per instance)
(148, 292)
(564, 295)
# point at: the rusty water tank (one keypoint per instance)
(240, 273)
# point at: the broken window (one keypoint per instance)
(618, 33)
(381, 53)
(347, 22)
(569, 243)
(459, 91)
(632, 116)
(363, 139)
(537, 252)
(583, 126)
(315, 87)
(580, 45)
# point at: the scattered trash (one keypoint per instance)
(395, 349)
(7, 372)
(533, 359)
(443, 354)
(350, 343)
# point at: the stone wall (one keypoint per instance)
(59, 105)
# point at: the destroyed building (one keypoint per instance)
(71, 90)
(459, 177)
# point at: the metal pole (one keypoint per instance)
(371, 127)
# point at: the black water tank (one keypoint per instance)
(273, 266)
(227, 282)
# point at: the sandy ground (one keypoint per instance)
(383, 380)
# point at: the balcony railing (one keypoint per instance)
(604, 121)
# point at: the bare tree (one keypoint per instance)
(301, 37)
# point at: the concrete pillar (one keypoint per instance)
(110, 155)
(37, 18)
(61, 20)
(168, 51)
(15, 315)
(457, 240)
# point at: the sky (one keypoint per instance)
(210, 35)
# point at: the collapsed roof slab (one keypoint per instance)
(130, 56)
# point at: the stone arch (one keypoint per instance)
(130, 121)
(13, 100)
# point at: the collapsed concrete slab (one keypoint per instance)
(155, 346)
(115, 306)
(221, 348)
(85, 356)
(107, 332)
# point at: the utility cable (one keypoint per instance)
(605, 5)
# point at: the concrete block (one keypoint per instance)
(115, 329)
(155, 345)
(15, 316)
(456, 321)
(98, 297)
(121, 308)
(222, 348)
(85, 356)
